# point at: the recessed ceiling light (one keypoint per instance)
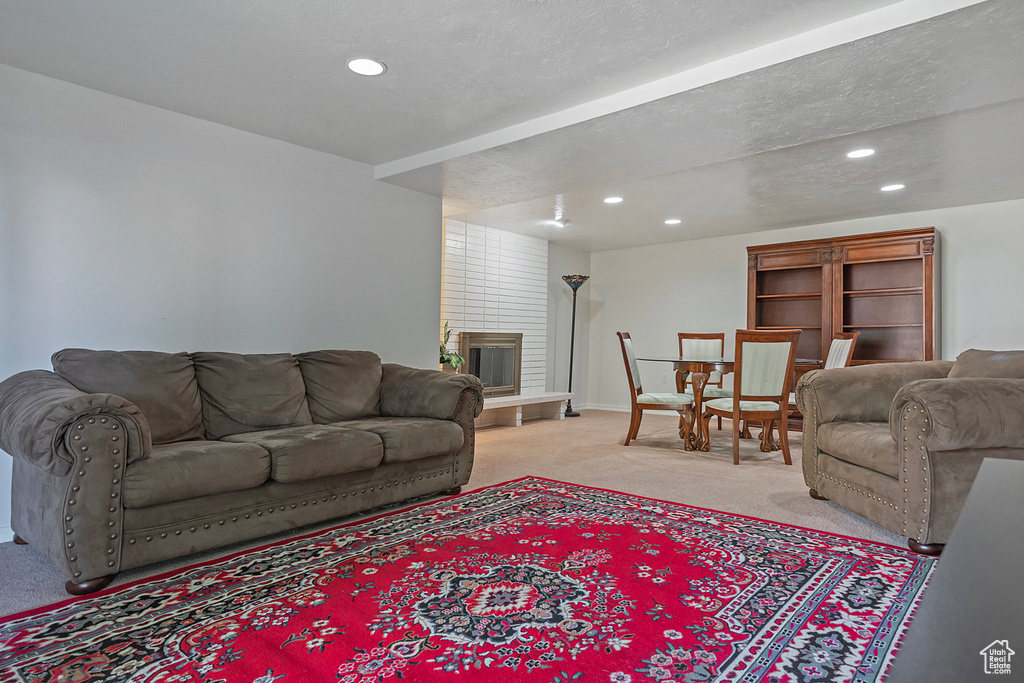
(893, 188)
(367, 67)
(558, 222)
(860, 153)
(673, 221)
(612, 200)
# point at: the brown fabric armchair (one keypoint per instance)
(901, 443)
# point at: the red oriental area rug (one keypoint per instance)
(531, 580)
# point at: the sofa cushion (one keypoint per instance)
(341, 385)
(868, 444)
(162, 385)
(313, 451)
(189, 469)
(244, 393)
(412, 438)
(997, 364)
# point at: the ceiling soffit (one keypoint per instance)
(907, 74)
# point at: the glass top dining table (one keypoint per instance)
(696, 370)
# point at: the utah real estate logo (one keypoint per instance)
(997, 657)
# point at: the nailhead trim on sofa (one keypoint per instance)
(924, 481)
(91, 435)
(257, 511)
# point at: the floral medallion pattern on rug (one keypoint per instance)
(532, 580)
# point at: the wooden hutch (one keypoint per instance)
(882, 285)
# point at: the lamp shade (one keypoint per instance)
(575, 281)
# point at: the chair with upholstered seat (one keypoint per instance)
(708, 345)
(640, 401)
(763, 375)
(840, 353)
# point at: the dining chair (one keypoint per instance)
(641, 401)
(840, 353)
(764, 372)
(703, 345)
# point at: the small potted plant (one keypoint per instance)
(450, 361)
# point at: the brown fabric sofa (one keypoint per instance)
(122, 459)
(901, 443)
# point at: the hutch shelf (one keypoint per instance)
(882, 285)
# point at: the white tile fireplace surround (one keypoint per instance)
(496, 281)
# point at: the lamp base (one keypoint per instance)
(569, 412)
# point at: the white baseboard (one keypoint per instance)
(614, 409)
(6, 534)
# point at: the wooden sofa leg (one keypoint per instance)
(816, 496)
(19, 540)
(452, 491)
(925, 548)
(90, 586)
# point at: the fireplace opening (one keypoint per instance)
(494, 357)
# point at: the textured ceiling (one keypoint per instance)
(903, 75)
(767, 149)
(456, 68)
(733, 115)
(951, 160)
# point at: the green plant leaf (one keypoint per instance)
(450, 357)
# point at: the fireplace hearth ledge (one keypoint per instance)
(512, 411)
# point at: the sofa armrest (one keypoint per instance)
(862, 393)
(409, 392)
(37, 408)
(965, 412)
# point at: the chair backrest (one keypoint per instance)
(703, 345)
(764, 364)
(840, 352)
(632, 369)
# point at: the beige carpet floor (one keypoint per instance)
(585, 450)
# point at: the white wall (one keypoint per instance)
(125, 226)
(565, 261)
(496, 281)
(700, 286)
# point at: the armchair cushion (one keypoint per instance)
(978, 363)
(244, 393)
(162, 385)
(966, 412)
(341, 385)
(868, 444)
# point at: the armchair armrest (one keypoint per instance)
(37, 408)
(408, 392)
(965, 412)
(862, 393)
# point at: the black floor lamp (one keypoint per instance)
(574, 281)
